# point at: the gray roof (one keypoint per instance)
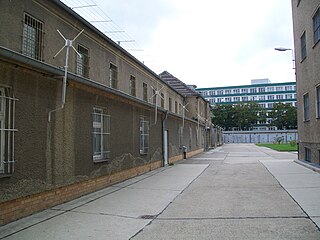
(177, 84)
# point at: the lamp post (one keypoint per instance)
(282, 49)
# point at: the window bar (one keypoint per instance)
(9, 134)
(13, 127)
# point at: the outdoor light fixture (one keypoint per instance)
(282, 49)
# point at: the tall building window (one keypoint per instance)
(306, 111)
(303, 43)
(318, 101)
(132, 85)
(7, 131)
(316, 26)
(101, 134)
(170, 104)
(176, 107)
(113, 76)
(154, 98)
(162, 100)
(144, 136)
(32, 43)
(145, 92)
(82, 64)
(307, 154)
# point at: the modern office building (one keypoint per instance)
(306, 27)
(261, 91)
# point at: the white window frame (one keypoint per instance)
(82, 63)
(7, 131)
(144, 136)
(101, 122)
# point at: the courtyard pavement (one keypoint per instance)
(237, 191)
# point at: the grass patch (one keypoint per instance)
(280, 147)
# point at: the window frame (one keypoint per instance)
(105, 133)
(145, 91)
(306, 107)
(303, 46)
(7, 131)
(132, 86)
(144, 134)
(316, 26)
(318, 102)
(32, 46)
(82, 63)
(113, 75)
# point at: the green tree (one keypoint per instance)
(284, 116)
(242, 116)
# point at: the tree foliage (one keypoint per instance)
(284, 116)
(242, 116)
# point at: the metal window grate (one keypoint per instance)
(82, 63)
(7, 131)
(101, 134)
(33, 33)
(113, 77)
(144, 136)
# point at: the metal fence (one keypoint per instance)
(260, 136)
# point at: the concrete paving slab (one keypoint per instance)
(316, 220)
(131, 181)
(299, 180)
(184, 170)
(77, 226)
(249, 229)
(206, 202)
(85, 199)
(286, 167)
(308, 199)
(27, 222)
(131, 202)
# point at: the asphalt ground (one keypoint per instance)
(237, 191)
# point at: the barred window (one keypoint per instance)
(133, 85)
(307, 154)
(144, 136)
(145, 92)
(7, 131)
(180, 133)
(162, 100)
(82, 64)
(113, 76)
(32, 42)
(101, 135)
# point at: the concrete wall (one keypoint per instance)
(259, 136)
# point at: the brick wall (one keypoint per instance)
(24, 206)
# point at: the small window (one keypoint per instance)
(180, 133)
(154, 98)
(318, 100)
(307, 154)
(316, 26)
(170, 104)
(101, 135)
(82, 64)
(306, 112)
(7, 131)
(144, 136)
(133, 85)
(176, 107)
(162, 100)
(303, 43)
(113, 76)
(145, 92)
(32, 43)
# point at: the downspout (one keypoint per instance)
(163, 137)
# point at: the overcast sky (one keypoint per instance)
(208, 43)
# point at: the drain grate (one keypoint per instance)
(148, 216)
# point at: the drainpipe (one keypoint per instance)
(164, 140)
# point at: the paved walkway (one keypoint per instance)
(237, 191)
